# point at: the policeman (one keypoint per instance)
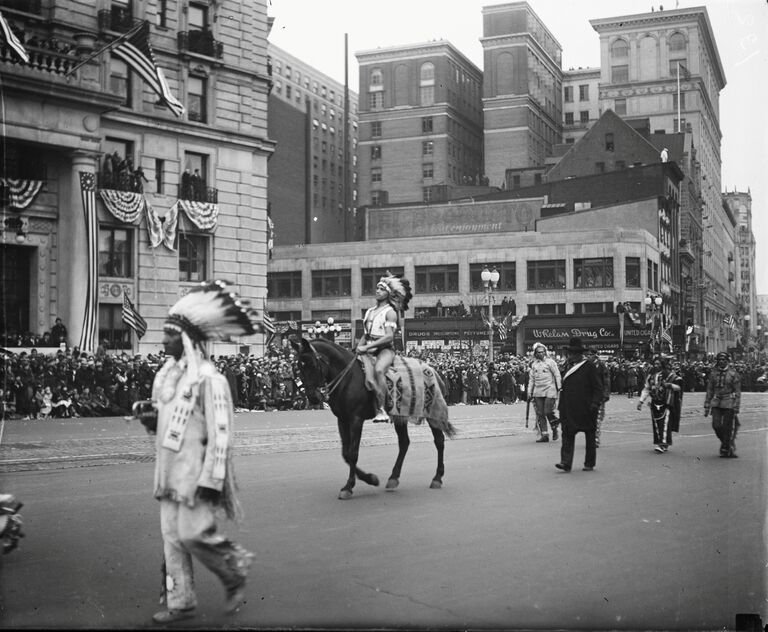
(723, 399)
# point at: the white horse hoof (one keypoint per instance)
(436, 485)
(392, 484)
(345, 494)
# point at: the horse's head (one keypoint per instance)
(312, 370)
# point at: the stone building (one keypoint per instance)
(202, 199)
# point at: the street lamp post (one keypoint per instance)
(653, 306)
(490, 278)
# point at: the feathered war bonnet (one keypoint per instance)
(399, 290)
(211, 312)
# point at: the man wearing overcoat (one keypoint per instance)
(580, 399)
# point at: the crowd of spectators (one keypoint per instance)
(67, 383)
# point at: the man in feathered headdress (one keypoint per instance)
(194, 477)
(393, 293)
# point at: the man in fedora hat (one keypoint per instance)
(580, 399)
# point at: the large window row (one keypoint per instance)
(593, 273)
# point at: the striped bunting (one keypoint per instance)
(132, 318)
(88, 192)
(202, 214)
(21, 193)
(8, 37)
(137, 53)
(124, 205)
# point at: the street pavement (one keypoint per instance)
(645, 542)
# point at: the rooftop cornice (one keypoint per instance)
(423, 49)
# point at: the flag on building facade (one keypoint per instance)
(132, 318)
(90, 316)
(8, 38)
(136, 51)
(729, 321)
(667, 338)
(269, 326)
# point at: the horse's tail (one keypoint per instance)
(449, 430)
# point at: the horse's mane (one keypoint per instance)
(331, 349)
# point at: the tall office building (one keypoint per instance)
(522, 89)
(420, 122)
(312, 178)
(742, 266)
(665, 66)
(108, 193)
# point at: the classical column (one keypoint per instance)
(72, 279)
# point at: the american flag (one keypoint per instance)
(667, 338)
(8, 38)
(730, 321)
(135, 51)
(88, 193)
(132, 318)
(502, 331)
(269, 326)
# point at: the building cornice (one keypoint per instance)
(424, 49)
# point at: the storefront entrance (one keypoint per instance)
(14, 289)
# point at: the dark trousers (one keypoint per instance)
(569, 442)
(725, 424)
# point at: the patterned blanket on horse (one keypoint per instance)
(414, 390)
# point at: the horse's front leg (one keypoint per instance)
(403, 441)
(439, 437)
(350, 448)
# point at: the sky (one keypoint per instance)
(313, 31)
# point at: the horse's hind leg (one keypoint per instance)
(350, 448)
(439, 437)
(403, 441)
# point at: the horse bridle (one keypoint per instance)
(329, 387)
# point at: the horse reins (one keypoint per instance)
(331, 386)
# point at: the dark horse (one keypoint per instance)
(323, 363)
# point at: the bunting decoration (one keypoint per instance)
(285, 326)
(162, 230)
(88, 194)
(136, 51)
(201, 214)
(20, 193)
(270, 234)
(124, 205)
(620, 311)
(8, 38)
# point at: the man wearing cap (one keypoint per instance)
(543, 386)
(194, 476)
(723, 400)
(605, 376)
(580, 399)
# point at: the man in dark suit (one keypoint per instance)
(580, 399)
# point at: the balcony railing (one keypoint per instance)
(201, 43)
(198, 193)
(55, 58)
(117, 19)
(120, 182)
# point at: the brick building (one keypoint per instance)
(421, 122)
(313, 172)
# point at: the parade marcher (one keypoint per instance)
(723, 400)
(380, 324)
(194, 476)
(605, 378)
(580, 399)
(543, 386)
(664, 388)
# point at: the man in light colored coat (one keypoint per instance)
(543, 386)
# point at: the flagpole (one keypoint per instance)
(679, 123)
(105, 48)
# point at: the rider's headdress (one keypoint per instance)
(211, 312)
(399, 290)
(723, 354)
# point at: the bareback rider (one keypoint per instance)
(379, 325)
